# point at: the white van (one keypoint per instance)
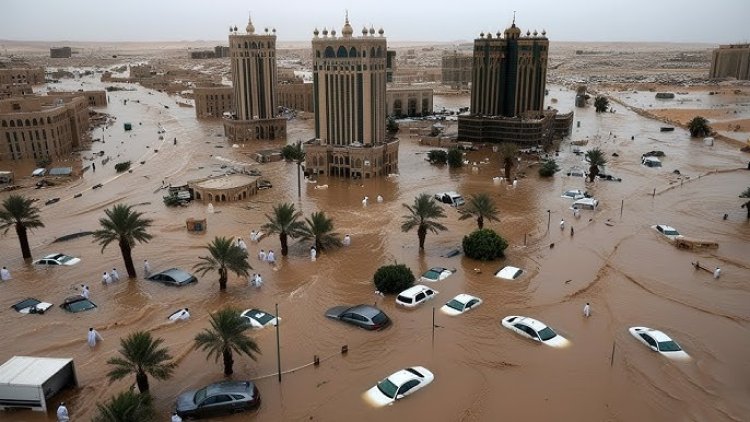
(651, 162)
(39, 172)
(452, 198)
(585, 204)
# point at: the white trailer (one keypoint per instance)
(28, 382)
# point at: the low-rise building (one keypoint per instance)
(141, 71)
(14, 90)
(456, 70)
(731, 61)
(22, 75)
(226, 188)
(94, 98)
(221, 51)
(60, 52)
(213, 101)
(296, 95)
(202, 54)
(408, 101)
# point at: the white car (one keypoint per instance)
(259, 319)
(659, 342)
(399, 385)
(535, 330)
(436, 274)
(460, 304)
(415, 296)
(509, 273)
(585, 204)
(668, 231)
(574, 194)
(57, 259)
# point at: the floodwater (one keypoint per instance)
(483, 372)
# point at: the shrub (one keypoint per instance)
(43, 162)
(391, 126)
(437, 156)
(484, 245)
(455, 158)
(123, 166)
(549, 168)
(392, 279)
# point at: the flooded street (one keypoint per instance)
(483, 372)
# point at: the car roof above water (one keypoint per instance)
(365, 310)
(230, 387)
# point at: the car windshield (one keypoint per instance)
(262, 317)
(669, 346)
(64, 258)
(405, 299)
(380, 318)
(547, 334)
(671, 232)
(455, 305)
(199, 395)
(388, 388)
(79, 306)
(432, 274)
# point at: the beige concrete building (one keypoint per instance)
(456, 70)
(408, 101)
(227, 188)
(213, 101)
(60, 52)
(731, 61)
(37, 127)
(94, 98)
(23, 75)
(253, 68)
(296, 95)
(14, 90)
(141, 71)
(349, 76)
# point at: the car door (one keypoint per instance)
(429, 293)
(215, 405)
(419, 298)
(407, 388)
(649, 341)
(470, 304)
(169, 279)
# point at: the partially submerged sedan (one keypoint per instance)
(174, 277)
(436, 274)
(509, 273)
(667, 231)
(259, 319)
(218, 398)
(461, 304)
(57, 259)
(31, 306)
(77, 303)
(535, 330)
(659, 342)
(399, 385)
(363, 316)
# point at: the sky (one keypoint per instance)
(403, 20)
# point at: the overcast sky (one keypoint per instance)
(717, 21)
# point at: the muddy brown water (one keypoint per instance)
(482, 371)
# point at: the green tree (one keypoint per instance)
(284, 222)
(746, 194)
(127, 406)
(601, 104)
(437, 156)
(484, 245)
(124, 226)
(422, 215)
(296, 154)
(224, 256)
(20, 212)
(142, 356)
(699, 127)
(595, 157)
(481, 207)
(508, 153)
(393, 279)
(549, 168)
(319, 228)
(455, 158)
(226, 336)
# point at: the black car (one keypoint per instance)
(77, 303)
(218, 398)
(364, 316)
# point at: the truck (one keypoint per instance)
(452, 198)
(28, 382)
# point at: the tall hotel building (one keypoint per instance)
(349, 78)
(509, 78)
(253, 67)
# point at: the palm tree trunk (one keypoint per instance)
(128, 258)
(508, 166)
(23, 239)
(228, 362)
(222, 278)
(142, 380)
(480, 222)
(284, 246)
(593, 172)
(422, 234)
(299, 182)
(318, 245)
(747, 205)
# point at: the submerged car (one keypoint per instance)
(173, 276)
(574, 194)
(415, 296)
(659, 342)
(509, 273)
(218, 398)
(399, 385)
(460, 304)
(535, 330)
(57, 259)
(77, 303)
(436, 274)
(668, 231)
(31, 306)
(259, 319)
(585, 204)
(363, 316)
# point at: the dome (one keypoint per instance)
(364, 31)
(481, 34)
(498, 34)
(316, 32)
(513, 32)
(544, 32)
(528, 33)
(325, 31)
(372, 31)
(489, 35)
(381, 32)
(250, 29)
(333, 32)
(535, 33)
(347, 30)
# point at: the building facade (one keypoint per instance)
(213, 101)
(509, 78)
(296, 95)
(349, 78)
(732, 60)
(141, 71)
(14, 90)
(253, 68)
(23, 75)
(221, 51)
(93, 98)
(60, 52)
(456, 70)
(408, 101)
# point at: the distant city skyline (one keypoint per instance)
(721, 22)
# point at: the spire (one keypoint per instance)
(514, 18)
(250, 29)
(347, 30)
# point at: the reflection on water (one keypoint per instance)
(615, 261)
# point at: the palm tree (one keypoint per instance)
(225, 256)
(227, 334)
(601, 103)
(125, 226)
(421, 215)
(127, 406)
(595, 157)
(141, 355)
(508, 153)
(296, 154)
(698, 126)
(284, 222)
(320, 229)
(480, 206)
(746, 194)
(23, 215)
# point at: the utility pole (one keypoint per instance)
(278, 343)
